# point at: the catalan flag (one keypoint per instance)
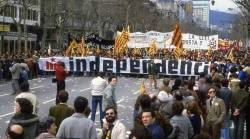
(122, 39)
(177, 42)
(142, 88)
(82, 48)
(209, 52)
(231, 56)
(152, 49)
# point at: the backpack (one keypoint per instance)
(23, 75)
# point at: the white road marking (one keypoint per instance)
(1, 116)
(85, 89)
(4, 95)
(119, 101)
(36, 87)
(45, 102)
(136, 92)
(122, 106)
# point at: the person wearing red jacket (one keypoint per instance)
(61, 73)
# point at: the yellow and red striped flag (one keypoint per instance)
(142, 88)
(122, 39)
(152, 49)
(231, 55)
(177, 42)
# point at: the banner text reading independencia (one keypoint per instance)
(128, 66)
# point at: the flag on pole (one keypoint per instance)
(230, 56)
(142, 88)
(152, 49)
(177, 42)
(82, 47)
(122, 39)
(209, 52)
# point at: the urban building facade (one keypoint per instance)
(201, 10)
(14, 15)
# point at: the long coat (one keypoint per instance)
(60, 112)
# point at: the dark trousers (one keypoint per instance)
(239, 122)
(60, 86)
(248, 124)
(214, 130)
(95, 101)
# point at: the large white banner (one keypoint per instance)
(128, 66)
(163, 40)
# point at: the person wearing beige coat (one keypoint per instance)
(216, 111)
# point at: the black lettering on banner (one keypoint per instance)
(206, 67)
(135, 66)
(196, 68)
(107, 66)
(161, 67)
(71, 64)
(145, 66)
(81, 63)
(94, 65)
(186, 65)
(121, 65)
(173, 66)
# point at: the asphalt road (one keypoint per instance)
(127, 91)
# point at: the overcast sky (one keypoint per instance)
(223, 5)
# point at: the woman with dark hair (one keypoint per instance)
(24, 117)
(182, 127)
(194, 115)
(140, 132)
(48, 128)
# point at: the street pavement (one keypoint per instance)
(127, 91)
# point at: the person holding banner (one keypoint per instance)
(152, 74)
(61, 73)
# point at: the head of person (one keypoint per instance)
(177, 82)
(101, 74)
(48, 125)
(25, 87)
(178, 95)
(224, 83)
(63, 96)
(15, 131)
(190, 85)
(166, 82)
(177, 108)
(202, 75)
(148, 117)
(234, 75)
(112, 80)
(111, 114)
(213, 70)
(145, 101)
(193, 108)
(80, 104)
(212, 92)
(140, 132)
(23, 105)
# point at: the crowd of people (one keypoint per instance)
(184, 110)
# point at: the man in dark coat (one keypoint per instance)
(61, 110)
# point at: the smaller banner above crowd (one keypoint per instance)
(125, 66)
(163, 40)
(228, 44)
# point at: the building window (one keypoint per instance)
(29, 14)
(34, 15)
